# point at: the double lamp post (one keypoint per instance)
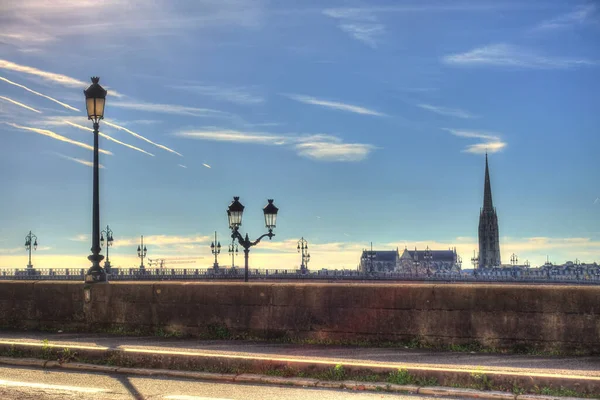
(234, 214)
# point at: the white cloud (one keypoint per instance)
(65, 105)
(579, 16)
(492, 141)
(334, 105)
(182, 166)
(451, 112)
(360, 24)
(56, 136)
(19, 104)
(206, 165)
(79, 160)
(237, 95)
(168, 109)
(334, 151)
(318, 147)
(504, 55)
(233, 136)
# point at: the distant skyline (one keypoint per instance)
(365, 121)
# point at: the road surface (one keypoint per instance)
(18, 383)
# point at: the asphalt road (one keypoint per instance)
(38, 384)
(422, 358)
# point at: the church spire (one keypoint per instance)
(487, 190)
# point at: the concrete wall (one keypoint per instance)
(505, 316)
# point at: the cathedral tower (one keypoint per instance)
(489, 239)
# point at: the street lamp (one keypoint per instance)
(109, 241)
(95, 97)
(141, 251)
(234, 214)
(305, 256)
(514, 259)
(233, 250)
(215, 248)
(28, 240)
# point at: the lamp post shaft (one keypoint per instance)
(96, 199)
(246, 251)
(96, 273)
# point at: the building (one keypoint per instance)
(489, 238)
(429, 261)
(379, 261)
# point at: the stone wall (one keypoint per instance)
(495, 315)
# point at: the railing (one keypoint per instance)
(168, 274)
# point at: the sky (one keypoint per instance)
(365, 121)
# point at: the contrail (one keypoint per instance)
(85, 128)
(20, 104)
(79, 160)
(39, 94)
(143, 138)
(60, 79)
(56, 136)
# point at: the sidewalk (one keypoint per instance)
(581, 374)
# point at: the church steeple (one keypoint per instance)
(488, 205)
(489, 237)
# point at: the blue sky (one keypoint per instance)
(365, 121)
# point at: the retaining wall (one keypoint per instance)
(549, 317)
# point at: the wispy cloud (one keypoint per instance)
(19, 104)
(331, 151)
(206, 165)
(233, 136)
(82, 237)
(85, 128)
(182, 166)
(360, 24)
(79, 160)
(492, 141)
(334, 105)
(237, 95)
(51, 77)
(451, 112)
(316, 147)
(65, 105)
(504, 55)
(168, 109)
(137, 135)
(579, 16)
(56, 136)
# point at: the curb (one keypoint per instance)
(438, 391)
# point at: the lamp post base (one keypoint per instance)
(107, 267)
(96, 273)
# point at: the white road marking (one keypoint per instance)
(54, 387)
(184, 397)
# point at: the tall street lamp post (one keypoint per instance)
(234, 214)
(141, 251)
(233, 250)
(109, 241)
(95, 97)
(305, 256)
(29, 239)
(215, 248)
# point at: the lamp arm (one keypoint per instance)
(270, 235)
